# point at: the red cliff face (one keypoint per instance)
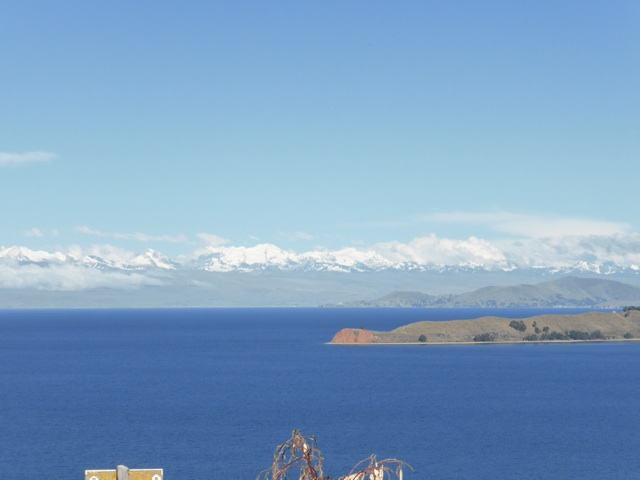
(354, 335)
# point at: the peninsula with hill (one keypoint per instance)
(623, 325)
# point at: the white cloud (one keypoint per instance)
(530, 226)
(107, 252)
(26, 157)
(432, 249)
(212, 243)
(69, 278)
(211, 239)
(38, 233)
(553, 251)
(140, 237)
(295, 236)
(34, 232)
(570, 250)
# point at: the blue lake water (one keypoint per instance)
(209, 393)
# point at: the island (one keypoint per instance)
(591, 326)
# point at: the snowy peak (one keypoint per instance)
(345, 260)
(25, 255)
(258, 257)
(152, 259)
(267, 256)
(99, 263)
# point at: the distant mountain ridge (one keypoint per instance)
(563, 292)
(265, 275)
(26, 256)
(263, 257)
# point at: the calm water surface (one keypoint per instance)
(208, 394)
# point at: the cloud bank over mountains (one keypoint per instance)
(9, 158)
(140, 237)
(107, 266)
(528, 225)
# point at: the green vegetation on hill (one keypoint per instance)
(571, 335)
(518, 325)
(485, 337)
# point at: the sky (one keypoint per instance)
(318, 125)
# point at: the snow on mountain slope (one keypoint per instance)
(268, 256)
(99, 263)
(148, 259)
(153, 259)
(226, 259)
(26, 255)
(271, 257)
(347, 259)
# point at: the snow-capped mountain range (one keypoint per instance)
(145, 260)
(265, 275)
(271, 257)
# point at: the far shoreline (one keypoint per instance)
(514, 342)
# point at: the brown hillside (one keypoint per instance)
(612, 326)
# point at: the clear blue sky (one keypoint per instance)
(316, 124)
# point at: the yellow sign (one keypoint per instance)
(100, 475)
(134, 474)
(145, 474)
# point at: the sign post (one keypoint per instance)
(124, 473)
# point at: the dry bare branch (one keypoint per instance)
(301, 458)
